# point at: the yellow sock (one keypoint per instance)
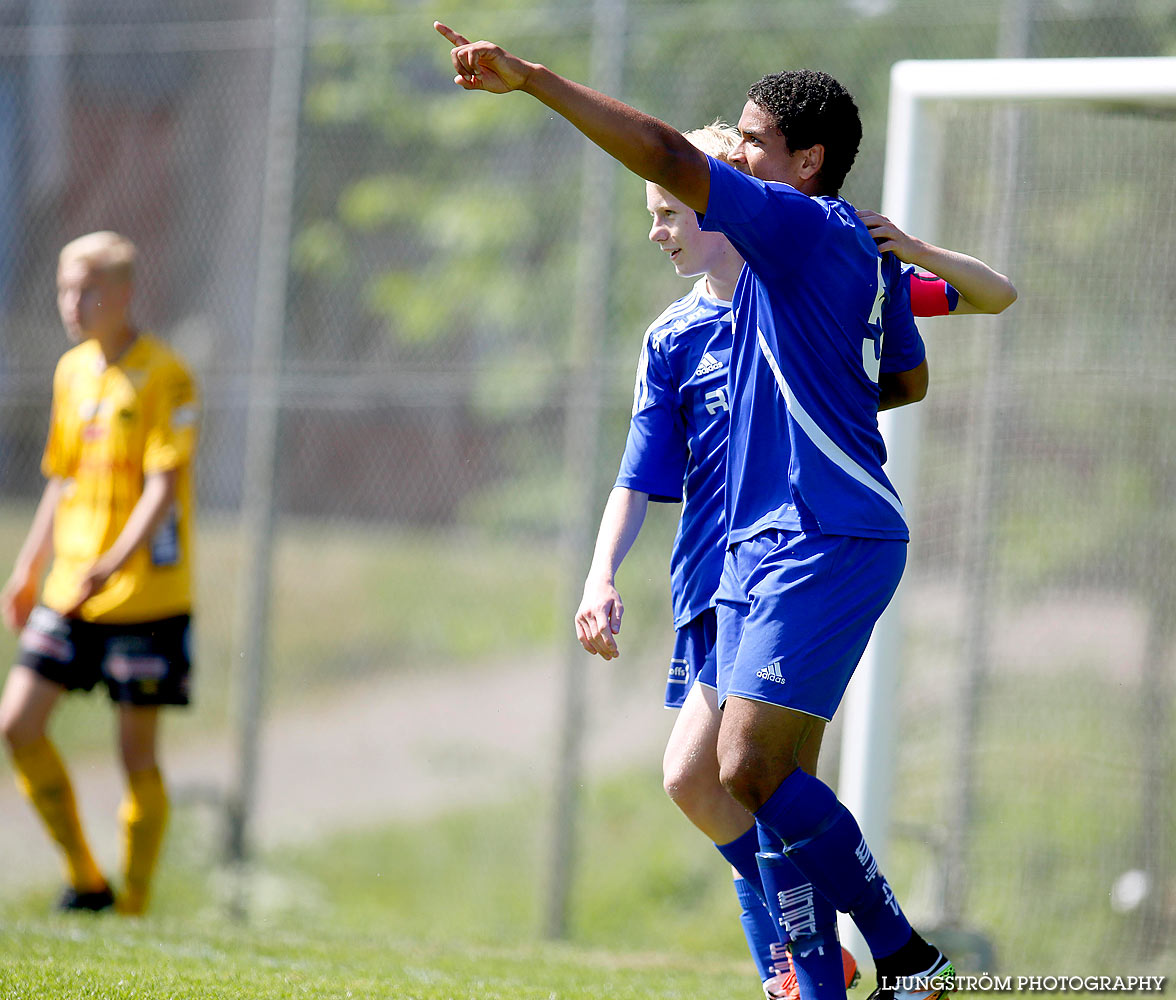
(43, 779)
(143, 814)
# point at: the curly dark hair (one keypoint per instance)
(810, 107)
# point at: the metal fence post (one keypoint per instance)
(263, 408)
(581, 447)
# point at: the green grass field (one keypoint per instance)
(451, 908)
(437, 911)
(65, 961)
(68, 962)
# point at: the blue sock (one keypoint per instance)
(824, 841)
(809, 922)
(769, 843)
(758, 926)
(740, 855)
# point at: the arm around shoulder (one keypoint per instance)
(982, 289)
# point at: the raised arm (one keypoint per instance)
(641, 143)
(599, 616)
(982, 290)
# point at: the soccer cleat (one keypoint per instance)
(72, 901)
(783, 985)
(929, 985)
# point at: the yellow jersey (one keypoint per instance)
(111, 426)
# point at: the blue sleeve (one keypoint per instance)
(656, 450)
(902, 346)
(771, 225)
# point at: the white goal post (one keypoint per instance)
(913, 158)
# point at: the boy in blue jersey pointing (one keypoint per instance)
(823, 336)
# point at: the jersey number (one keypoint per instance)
(716, 400)
(872, 346)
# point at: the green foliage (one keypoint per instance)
(319, 249)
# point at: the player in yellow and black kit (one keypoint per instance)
(116, 518)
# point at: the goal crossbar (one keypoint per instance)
(1142, 79)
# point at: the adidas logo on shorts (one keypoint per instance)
(771, 672)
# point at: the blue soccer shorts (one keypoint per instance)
(795, 611)
(145, 663)
(693, 659)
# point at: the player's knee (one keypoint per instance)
(737, 774)
(137, 755)
(749, 778)
(685, 785)
(17, 730)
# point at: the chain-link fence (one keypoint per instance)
(435, 347)
(1040, 611)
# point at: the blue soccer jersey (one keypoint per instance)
(677, 444)
(819, 313)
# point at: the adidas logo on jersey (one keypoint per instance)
(708, 364)
(771, 672)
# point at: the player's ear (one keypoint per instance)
(811, 161)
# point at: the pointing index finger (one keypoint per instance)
(448, 32)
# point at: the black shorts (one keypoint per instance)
(141, 664)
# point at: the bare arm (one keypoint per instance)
(19, 596)
(641, 143)
(982, 290)
(599, 616)
(900, 388)
(159, 491)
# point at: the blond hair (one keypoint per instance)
(718, 139)
(105, 251)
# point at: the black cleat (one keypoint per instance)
(72, 901)
(930, 985)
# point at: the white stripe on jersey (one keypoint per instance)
(675, 310)
(825, 444)
(641, 384)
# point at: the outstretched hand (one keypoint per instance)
(483, 65)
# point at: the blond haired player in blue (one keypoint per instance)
(115, 517)
(676, 452)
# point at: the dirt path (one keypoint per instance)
(404, 747)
